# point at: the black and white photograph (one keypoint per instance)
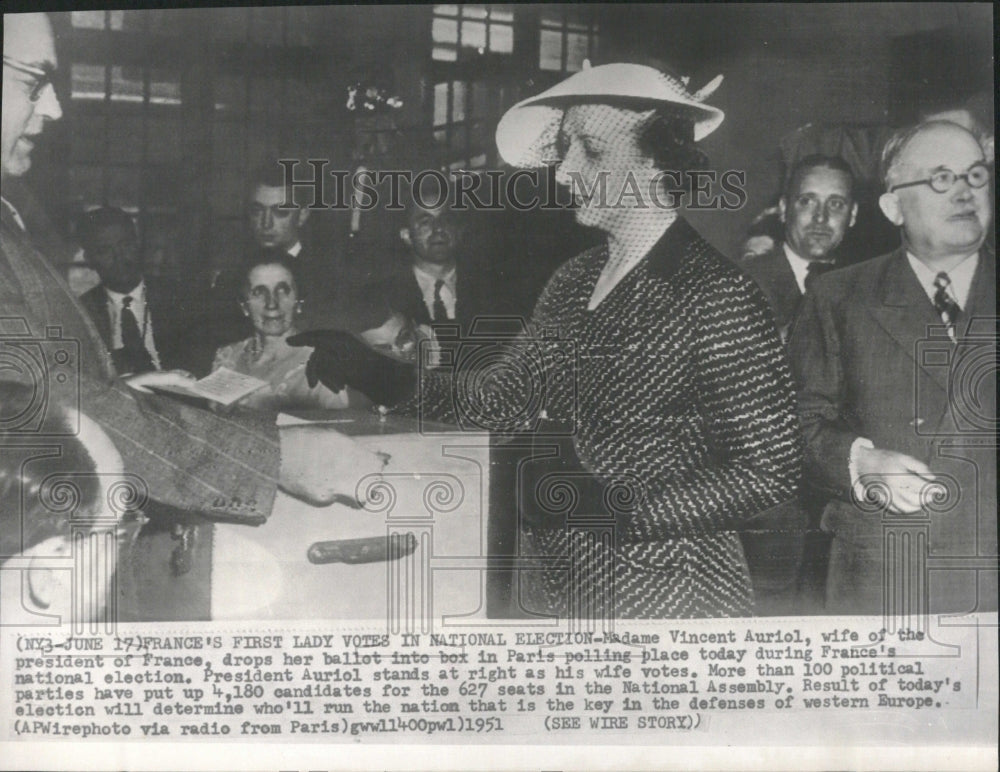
(387, 386)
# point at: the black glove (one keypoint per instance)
(339, 359)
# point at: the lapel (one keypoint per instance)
(903, 310)
(673, 248)
(411, 298)
(47, 295)
(982, 295)
(96, 303)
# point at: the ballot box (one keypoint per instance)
(412, 556)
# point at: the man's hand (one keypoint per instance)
(320, 465)
(340, 359)
(908, 481)
(142, 382)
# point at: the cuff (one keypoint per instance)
(852, 466)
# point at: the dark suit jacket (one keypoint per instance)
(176, 332)
(186, 457)
(872, 360)
(774, 276)
(478, 295)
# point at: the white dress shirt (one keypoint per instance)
(960, 276)
(800, 266)
(142, 316)
(428, 281)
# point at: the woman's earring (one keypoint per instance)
(246, 311)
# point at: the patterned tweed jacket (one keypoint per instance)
(178, 455)
(676, 382)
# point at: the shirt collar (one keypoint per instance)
(799, 266)
(960, 276)
(295, 249)
(137, 293)
(428, 280)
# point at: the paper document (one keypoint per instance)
(224, 386)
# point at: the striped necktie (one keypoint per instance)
(440, 311)
(945, 304)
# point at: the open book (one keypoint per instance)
(224, 386)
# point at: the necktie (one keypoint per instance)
(814, 270)
(134, 357)
(440, 312)
(945, 304)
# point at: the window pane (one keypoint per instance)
(164, 87)
(126, 84)
(502, 13)
(446, 10)
(576, 51)
(474, 11)
(473, 34)
(480, 100)
(501, 39)
(552, 18)
(550, 50)
(87, 19)
(87, 81)
(457, 101)
(440, 104)
(575, 18)
(442, 54)
(444, 31)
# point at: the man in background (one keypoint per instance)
(816, 209)
(146, 323)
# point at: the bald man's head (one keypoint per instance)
(937, 220)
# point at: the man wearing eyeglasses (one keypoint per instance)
(896, 367)
(188, 458)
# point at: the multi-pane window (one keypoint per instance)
(462, 29)
(567, 37)
(474, 85)
(127, 96)
(465, 113)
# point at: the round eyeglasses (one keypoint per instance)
(944, 180)
(42, 76)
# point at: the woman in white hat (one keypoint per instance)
(650, 353)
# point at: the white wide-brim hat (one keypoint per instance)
(526, 135)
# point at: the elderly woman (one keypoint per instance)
(651, 355)
(272, 302)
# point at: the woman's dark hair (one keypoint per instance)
(272, 256)
(40, 490)
(668, 138)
